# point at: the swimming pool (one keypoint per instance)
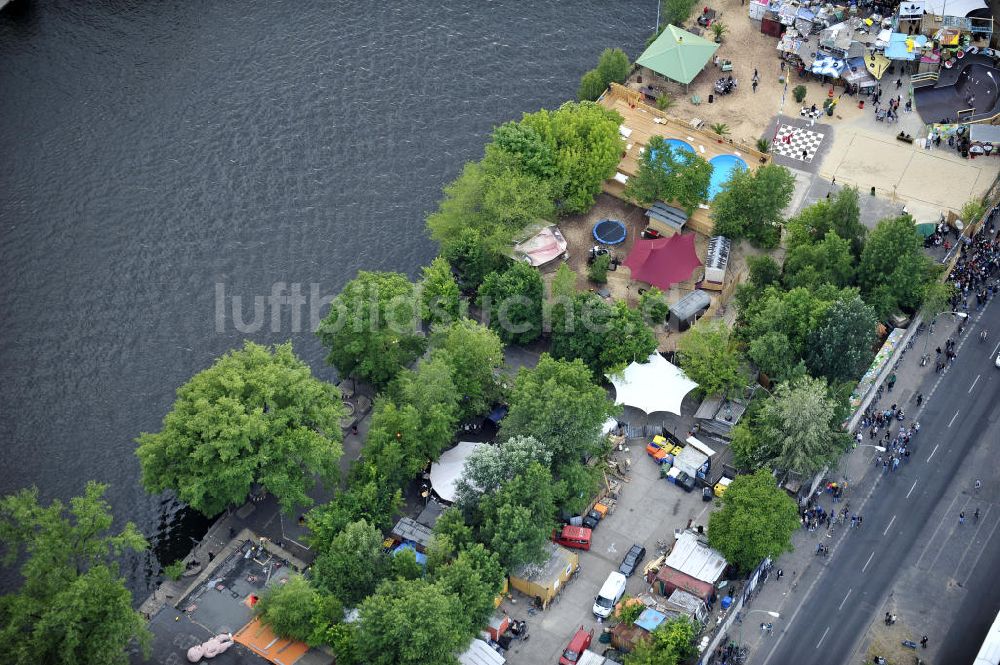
(722, 169)
(679, 145)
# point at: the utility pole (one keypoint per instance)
(657, 28)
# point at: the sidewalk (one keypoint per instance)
(855, 468)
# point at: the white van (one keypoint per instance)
(611, 592)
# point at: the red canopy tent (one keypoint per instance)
(663, 262)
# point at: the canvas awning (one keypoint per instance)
(677, 54)
(663, 262)
(655, 385)
(446, 472)
(876, 64)
(953, 7)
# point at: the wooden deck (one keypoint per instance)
(645, 122)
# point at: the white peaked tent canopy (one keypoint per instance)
(449, 469)
(655, 385)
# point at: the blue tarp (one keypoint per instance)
(828, 66)
(897, 50)
(497, 414)
(650, 619)
(421, 558)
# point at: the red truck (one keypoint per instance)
(577, 537)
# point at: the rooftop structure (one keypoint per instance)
(677, 54)
(692, 557)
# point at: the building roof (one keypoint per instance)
(690, 305)
(663, 262)
(673, 217)
(650, 619)
(655, 385)
(679, 580)
(691, 557)
(413, 531)
(481, 653)
(677, 54)
(554, 566)
(430, 514)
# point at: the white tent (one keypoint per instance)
(446, 472)
(655, 385)
(953, 7)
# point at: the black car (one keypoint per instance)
(591, 519)
(632, 560)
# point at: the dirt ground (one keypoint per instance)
(748, 114)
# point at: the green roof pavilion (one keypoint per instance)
(677, 54)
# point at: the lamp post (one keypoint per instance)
(770, 613)
(657, 28)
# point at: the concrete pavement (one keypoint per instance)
(829, 605)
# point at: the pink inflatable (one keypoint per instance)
(210, 649)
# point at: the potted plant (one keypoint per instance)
(799, 92)
(719, 28)
(722, 129)
(763, 145)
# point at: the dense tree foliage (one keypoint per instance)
(750, 204)
(654, 306)
(371, 330)
(605, 337)
(757, 520)
(475, 354)
(369, 496)
(256, 416)
(827, 261)
(671, 175)
(840, 214)
(476, 577)
(558, 403)
(518, 519)
(793, 314)
(591, 86)
(563, 284)
(351, 565)
(474, 254)
(439, 293)
(298, 610)
(613, 66)
(513, 299)
(72, 606)
(489, 468)
(894, 271)
(710, 358)
(671, 643)
(840, 348)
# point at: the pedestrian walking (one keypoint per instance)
(754, 85)
(961, 518)
(920, 399)
(975, 515)
(860, 520)
(923, 641)
(892, 381)
(899, 83)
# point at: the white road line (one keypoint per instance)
(911, 490)
(845, 599)
(890, 524)
(932, 452)
(994, 352)
(975, 563)
(824, 637)
(930, 540)
(868, 561)
(953, 418)
(973, 385)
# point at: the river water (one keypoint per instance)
(158, 159)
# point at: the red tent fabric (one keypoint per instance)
(663, 262)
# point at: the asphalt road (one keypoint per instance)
(899, 519)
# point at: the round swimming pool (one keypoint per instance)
(678, 145)
(722, 169)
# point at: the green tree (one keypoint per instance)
(461, 207)
(840, 214)
(584, 139)
(514, 198)
(451, 525)
(439, 293)
(577, 485)
(557, 403)
(513, 299)
(474, 254)
(757, 520)
(592, 86)
(72, 606)
(519, 517)
(670, 644)
(613, 66)
(371, 330)
(710, 358)
(799, 427)
(828, 261)
(840, 348)
(799, 92)
(404, 565)
(893, 258)
(672, 175)
(476, 354)
(298, 611)
(772, 353)
(794, 313)
(411, 622)
(605, 337)
(598, 270)
(351, 566)
(654, 306)
(489, 468)
(677, 12)
(750, 204)
(972, 211)
(369, 496)
(256, 416)
(533, 154)
(476, 578)
(563, 285)
(937, 297)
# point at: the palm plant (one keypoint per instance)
(719, 29)
(763, 145)
(721, 128)
(665, 102)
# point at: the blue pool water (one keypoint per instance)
(722, 169)
(679, 145)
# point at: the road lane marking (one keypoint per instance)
(890, 525)
(845, 599)
(824, 637)
(948, 511)
(975, 563)
(973, 385)
(868, 561)
(911, 490)
(995, 349)
(932, 452)
(953, 418)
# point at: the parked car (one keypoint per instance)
(581, 640)
(591, 519)
(611, 592)
(632, 559)
(577, 537)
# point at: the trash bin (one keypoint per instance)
(711, 99)
(727, 602)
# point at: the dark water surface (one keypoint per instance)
(150, 151)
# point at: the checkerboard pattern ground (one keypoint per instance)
(791, 142)
(807, 112)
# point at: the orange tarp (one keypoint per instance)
(259, 638)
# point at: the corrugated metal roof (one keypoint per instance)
(408, 529)
(692, 558)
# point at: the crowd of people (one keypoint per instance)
(975, 272)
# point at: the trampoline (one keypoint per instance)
(722, 169)
(609, 232)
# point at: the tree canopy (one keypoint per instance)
(613, 66)
(840, 214)
(72, 606)
(299, 611)
(439, 293)
(757, 520)
(671, 643)
(475, 353)
(591, 87)
(827, 261)
(371, 330)
(840, 347)
(710, 358)
(671, 175)
(513, 299)
(518, 518)
(605, 337)
(256, 416)
(751, 202)
(488, 468)
(558, 403)
(894, 271)
(353, 564)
